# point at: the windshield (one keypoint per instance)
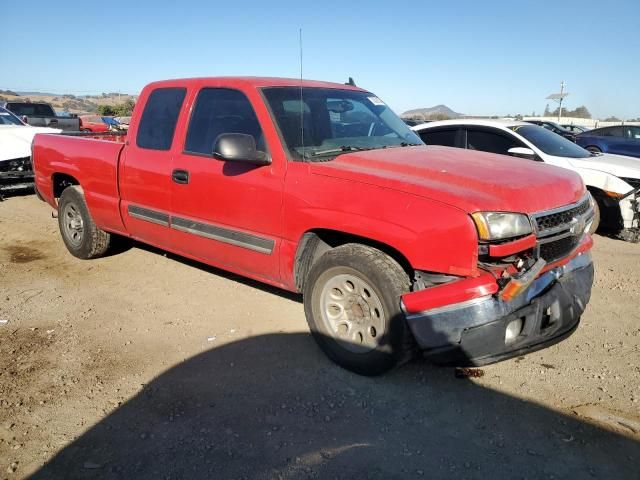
(328, 122)
(550, 143)
(8, 118)
(31, 109)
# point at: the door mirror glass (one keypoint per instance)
(522, 152)
(239, 147)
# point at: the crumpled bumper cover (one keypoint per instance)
(473, 332)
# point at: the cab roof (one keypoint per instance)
(256, 82)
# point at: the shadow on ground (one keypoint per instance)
(273, 407)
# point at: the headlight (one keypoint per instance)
(499, 225)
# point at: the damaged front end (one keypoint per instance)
(15, 174)
(530, 294)
(629, 204)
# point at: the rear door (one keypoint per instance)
(145, 172)
(227, 213)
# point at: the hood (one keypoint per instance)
(15, 140)
(617, 165)
(470, 180)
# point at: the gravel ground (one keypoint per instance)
(144, 365)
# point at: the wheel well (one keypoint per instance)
(316, 242)
(61, 181)
(610, 214)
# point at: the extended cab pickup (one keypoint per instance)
(40, 114)
(320, 188)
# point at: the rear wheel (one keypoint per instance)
(352, 305)
(593, 149)
(79, 232)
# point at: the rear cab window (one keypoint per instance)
(31, 109)
(159, 118)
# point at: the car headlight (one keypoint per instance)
(500, 225)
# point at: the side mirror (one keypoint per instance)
(238, 147)
(522, 152)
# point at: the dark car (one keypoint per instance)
(620, 139)
(555, 128)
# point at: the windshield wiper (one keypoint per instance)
(343, 148)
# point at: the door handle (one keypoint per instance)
(180, 176)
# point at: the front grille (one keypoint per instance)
(558, 219)
(634, 182)
(17, 165)
(556, 249)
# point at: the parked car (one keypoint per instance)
(621, 139)
(320, 188)
(16, 172)
(93, 123)
(40, 114)
(113, 124)
(613, 180)
(575, 129)
(123, 121)
(555, 128)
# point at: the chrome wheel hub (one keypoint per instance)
(73, 224)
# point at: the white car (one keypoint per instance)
(16, 171)
(613, 180)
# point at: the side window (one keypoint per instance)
(632, 132)
(490, 141)
(218, 111)
(446, 138)
(159, 118)
(611, 132)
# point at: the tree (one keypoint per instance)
(612, 119)
(546, 113)
(106, 110)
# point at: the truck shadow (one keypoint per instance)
(272, 406)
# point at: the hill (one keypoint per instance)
(437, 112)
(68, 103)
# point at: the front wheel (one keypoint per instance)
(79, 232)
(595, 224)
(352, 305)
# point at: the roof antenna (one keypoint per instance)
(351, 82)
(301, 97)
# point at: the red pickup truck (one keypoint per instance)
(320, 188)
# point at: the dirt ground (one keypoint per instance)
(144, 365)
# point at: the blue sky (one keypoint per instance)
(477, 57)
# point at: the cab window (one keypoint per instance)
(218, 111)
(159, 118)
(445, 137)
(492, 142)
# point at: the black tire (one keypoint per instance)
(593, 149)
(596, 216)
(388, 281)
(79, 232)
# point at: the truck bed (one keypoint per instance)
(92, 161)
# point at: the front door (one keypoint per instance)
(223, 212)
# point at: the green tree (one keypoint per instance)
(106, 110)
(547, 112)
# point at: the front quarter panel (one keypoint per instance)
(431, 235)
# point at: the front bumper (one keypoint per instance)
(473, 332)
(14, 180)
